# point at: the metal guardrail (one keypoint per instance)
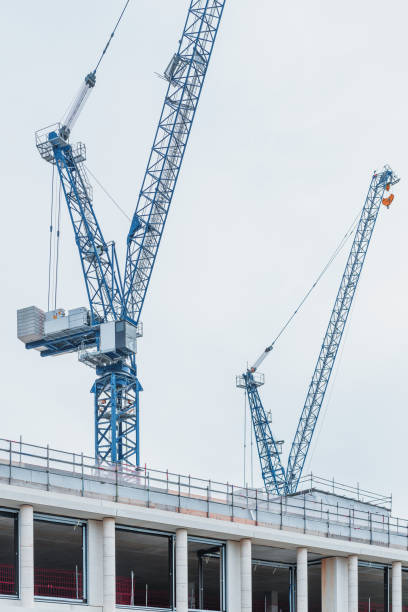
(312, 510)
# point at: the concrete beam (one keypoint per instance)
(181, 570)
(301, 580)
(54, 502)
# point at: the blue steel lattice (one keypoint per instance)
(273, 473)
(98, 259)
(116, 405)
(116, 390)
(186, 74)
(275, 478)
(335, 329)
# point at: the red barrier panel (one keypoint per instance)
(158, 599)
(62, 584)
(259, 606)
(7, 580)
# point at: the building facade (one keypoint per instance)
(72, 533)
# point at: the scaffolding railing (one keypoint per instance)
(356, 514)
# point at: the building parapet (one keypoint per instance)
(319, 509)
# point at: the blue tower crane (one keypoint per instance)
(105, 335)
(276, 478)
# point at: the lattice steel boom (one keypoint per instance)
(185, 74)
(278, 480)
(335, 329)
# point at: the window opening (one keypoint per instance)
(206, 575)
(144, 568)
(59, 558)
(315, 587)
(272, 587)
(404, 589)
(373, 588)
(8, 554)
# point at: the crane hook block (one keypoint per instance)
(387, 201)
(388, 185)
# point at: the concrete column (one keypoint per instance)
(233, 575)
(397, 586)
(109, 565)
(335, 584)
(95, 563)
(181, 570)
(353, 583)
(26, 527)
(301, 580)
(246, 575)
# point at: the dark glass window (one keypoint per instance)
(271, 588)
(59, 559)
(315, 587)
(205, 575)
(8, 554)
(144, 569)
(372, 589)
(405, 591)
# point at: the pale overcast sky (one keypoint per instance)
(302, 102)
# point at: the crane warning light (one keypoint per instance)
(387, 201)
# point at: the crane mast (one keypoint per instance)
(269, 449)
(105, 335)
(276, 479)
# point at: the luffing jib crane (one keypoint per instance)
(105, 335)
(276, 479)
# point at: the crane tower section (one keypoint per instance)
(269, 449)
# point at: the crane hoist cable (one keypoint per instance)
(87, 86)
(72, 115)
(51, 238)
(106, 192)
(332, 258)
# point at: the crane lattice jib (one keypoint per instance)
(98, 259)
(338, 319)
(186, 74)
(273, 473)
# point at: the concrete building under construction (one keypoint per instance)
(105, 533)
(72, 533)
